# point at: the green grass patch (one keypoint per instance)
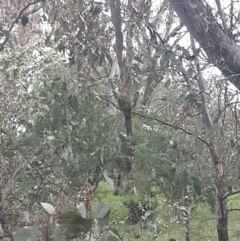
(202, 221)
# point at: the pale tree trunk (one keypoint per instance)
(222, 221)
(224, 53)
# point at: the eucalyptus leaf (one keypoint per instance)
(167, 84)
(211, 200)
(27, 233)
(48, 207)
(102, 210)
(108, 179)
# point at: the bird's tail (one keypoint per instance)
(128, 123)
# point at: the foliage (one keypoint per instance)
(62, 135)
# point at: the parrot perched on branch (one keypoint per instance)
(124, 102)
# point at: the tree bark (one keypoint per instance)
(220, 47)
(222, 222)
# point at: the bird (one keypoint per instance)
(125, 105)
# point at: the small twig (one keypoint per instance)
(234, 209)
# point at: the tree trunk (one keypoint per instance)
(219, 46)
(123, 172)
(222, 222)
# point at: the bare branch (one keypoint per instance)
(222, 15)
(206, 116)
(169, 22)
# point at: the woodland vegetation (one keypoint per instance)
(119, 120)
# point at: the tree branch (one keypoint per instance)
(230, 194)
(158, 120)
(222, 15)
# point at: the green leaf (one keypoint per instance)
(57, 236)
(152, 229)
(73, 225)
(103, 221)
(216, 128)
(199, 17)
(238, 161)
(171, 55)
(175, 145)
(181, 98)
(65, 25)
(124, 144)
(101, 155)
(50, 138)
(191, 97)
(160, 51)
(3, 32)
(30, 184)
(167, 84)
(230, 189)
(108, 179)
(82, 210)
(178, 63)
(104, 236)
(119, 143)
(184, 181)
(197, 181)
(24, 20)
(197, 189)
(185, 52)
(195, 134)
(48, 207)
(74, 177)
(74, 104)
(164, 61)
(146, 9)
(74, 121)
(136, 68)
(211, 200)
(102, 210)
(178, 166)
(197, 184)
(27, 234)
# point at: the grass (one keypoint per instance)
(202, 222)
